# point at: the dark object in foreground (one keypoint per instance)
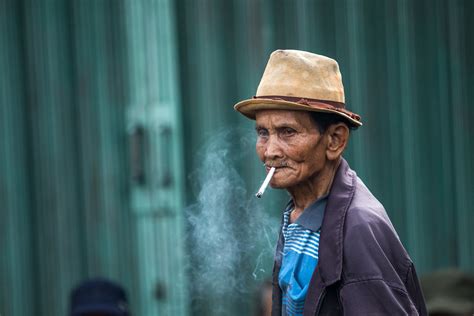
(99, 297)
(449, 292)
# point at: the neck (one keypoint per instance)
(318, 186)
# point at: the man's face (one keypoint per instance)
(290, 141)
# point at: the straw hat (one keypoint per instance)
(298, 80)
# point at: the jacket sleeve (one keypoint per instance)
(375, 297)
(379, 277)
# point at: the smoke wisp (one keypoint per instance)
(231, 237)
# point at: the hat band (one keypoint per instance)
(300, 100)
(314, 103)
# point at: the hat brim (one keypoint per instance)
(251, 106)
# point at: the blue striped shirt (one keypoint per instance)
(300, 255)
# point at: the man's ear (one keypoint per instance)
(338, 137)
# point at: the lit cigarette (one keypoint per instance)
(265, 182)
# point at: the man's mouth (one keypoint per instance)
(276, 166)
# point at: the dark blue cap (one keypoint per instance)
(99, 296)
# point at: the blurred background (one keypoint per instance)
(111, 110)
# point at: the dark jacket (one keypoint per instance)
(363, 268)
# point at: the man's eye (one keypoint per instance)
(261, 132)
(288, 132)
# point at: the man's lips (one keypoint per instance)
(267, 168)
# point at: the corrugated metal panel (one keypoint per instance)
(16, 256)
(56, 204)
(72, 71)
(100, 91)
(461, 51)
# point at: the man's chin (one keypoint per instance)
(278, 186)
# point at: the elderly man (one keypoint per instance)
(338, 252)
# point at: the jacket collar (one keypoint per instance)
(312, 216)
(329, 268)
(331, 240)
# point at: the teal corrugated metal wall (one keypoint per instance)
(75, 76)
(79, 78)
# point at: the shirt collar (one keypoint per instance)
(312, 217)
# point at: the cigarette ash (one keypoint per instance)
(231, 237)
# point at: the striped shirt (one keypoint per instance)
(300, 255)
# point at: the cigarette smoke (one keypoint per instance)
(231, 238)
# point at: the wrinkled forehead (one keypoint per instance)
(283, 117)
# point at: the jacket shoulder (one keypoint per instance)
(372, 248)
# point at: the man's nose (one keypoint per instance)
(273, 148)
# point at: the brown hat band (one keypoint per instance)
(314, 103)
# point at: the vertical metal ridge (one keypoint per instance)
(461, 120)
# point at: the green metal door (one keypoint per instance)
(153, 126)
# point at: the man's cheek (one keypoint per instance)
(260, 151)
